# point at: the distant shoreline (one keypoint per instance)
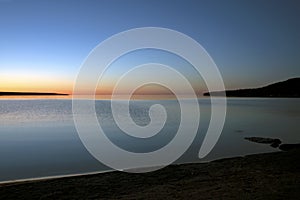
(285, 89)
(31, 94)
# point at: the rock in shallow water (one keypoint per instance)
(263, 140)
(289, 147)
(273, 142)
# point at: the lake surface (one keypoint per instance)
(38, 137)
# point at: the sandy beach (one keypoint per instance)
(261, 176)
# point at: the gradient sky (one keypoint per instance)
(44, 42)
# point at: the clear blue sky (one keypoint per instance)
(252, 42)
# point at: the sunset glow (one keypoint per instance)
(42, 50)
(34, 83)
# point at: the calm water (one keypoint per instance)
(38, 137)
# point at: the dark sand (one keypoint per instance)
(263, 176)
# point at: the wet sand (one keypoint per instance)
(262, 176)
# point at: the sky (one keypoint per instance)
(43, 43)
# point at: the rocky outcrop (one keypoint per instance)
(273, 142)
(289, 147)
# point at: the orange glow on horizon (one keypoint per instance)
(30, 84)
(38, 81)
(60, 85)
